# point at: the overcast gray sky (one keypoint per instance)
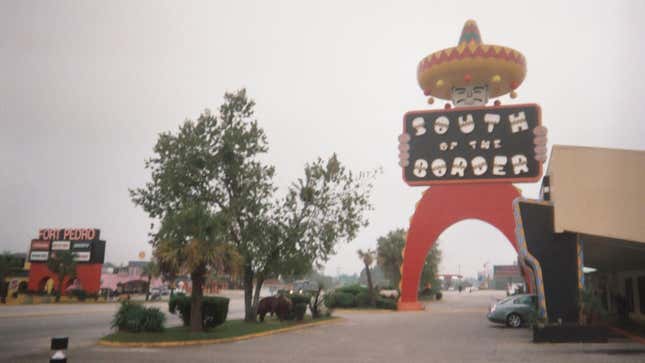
(85, 87)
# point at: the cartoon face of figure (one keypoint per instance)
(473, 95)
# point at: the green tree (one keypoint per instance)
(62, 264)
(8, 265)
(326, 207)
(191, 230)
(196, 254)
(390, 248)
(430, 271)
(368, 257)
(150, 270)
(210, 188)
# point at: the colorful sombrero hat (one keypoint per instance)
(471, 62)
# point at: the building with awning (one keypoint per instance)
(599, 194)
(129, 279)
(587, 231)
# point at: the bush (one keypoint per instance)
(299, 310)
(385, 303)
(134, 317)
(153, 320)
(299, 298)
(79, 294)
(363, 299)
(214, 309)
(354, 289)
(344, 300)
(329, 300)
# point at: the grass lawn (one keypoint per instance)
(230, 329)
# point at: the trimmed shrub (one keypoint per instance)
(153, 320)
(329, 300)
(354, 289)
(134, 317)
(299, 309)
(363, 299)
(344, 300)
(214, 309)
(385, 303)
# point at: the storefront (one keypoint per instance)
(88, 250)
(587, 233)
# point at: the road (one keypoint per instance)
(452, 330)
(25, 331)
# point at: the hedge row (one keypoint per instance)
(353, 296)
(214, 309)
(134, 317)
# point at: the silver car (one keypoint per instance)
(513, 310)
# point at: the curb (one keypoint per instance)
(185, 343)
(629, 335)
(366, 311)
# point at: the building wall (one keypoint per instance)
(598, 191)
(89, 275)
(505, 274)
(501, 282)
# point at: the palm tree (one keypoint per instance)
(196, 257)
(151, 270)
(62, 264)
(368, 258)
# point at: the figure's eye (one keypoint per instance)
(460, 91)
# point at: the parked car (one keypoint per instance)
(514, 310)
(515, 289)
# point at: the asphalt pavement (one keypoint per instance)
(452, 330)
(26, 330)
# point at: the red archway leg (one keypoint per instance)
(439, 208)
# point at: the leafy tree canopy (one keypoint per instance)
(390, 249)
(210, 189)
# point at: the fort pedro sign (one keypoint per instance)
(73, 234)
(84, 243)
(472, 145)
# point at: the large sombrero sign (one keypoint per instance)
(472, 145)
(472, 142)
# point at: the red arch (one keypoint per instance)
(442, 206)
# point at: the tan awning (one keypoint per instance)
(598, 191)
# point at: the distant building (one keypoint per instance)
(503, 275)
(127, 279)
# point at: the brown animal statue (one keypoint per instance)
(279, 305)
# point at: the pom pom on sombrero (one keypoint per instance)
(471, 62)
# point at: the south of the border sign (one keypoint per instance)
(472, 145)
